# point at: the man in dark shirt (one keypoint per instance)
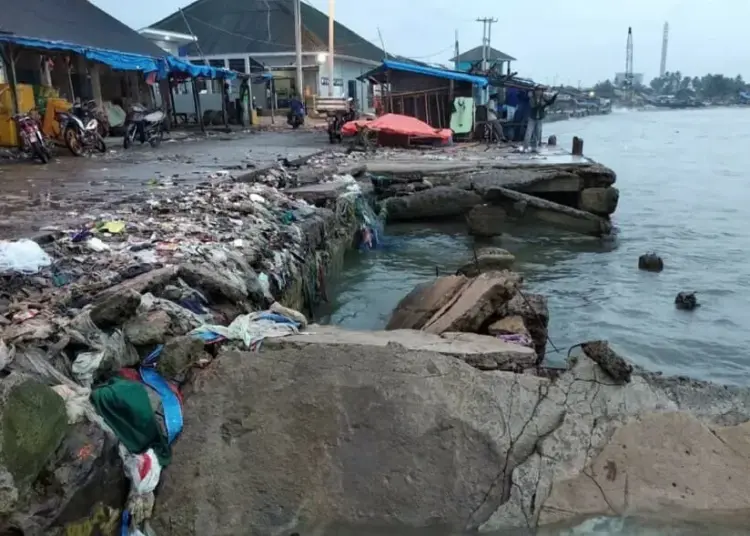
(539, 104)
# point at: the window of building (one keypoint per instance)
(237, 64)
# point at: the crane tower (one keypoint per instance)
(629, 66)
(664, 46)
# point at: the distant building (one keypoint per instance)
(472, 59)
(239, 33)
(172, 42)
(620, 79)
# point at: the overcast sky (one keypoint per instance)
(555, 41)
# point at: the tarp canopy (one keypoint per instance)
(122, 61)
(400, 125)
(192, 70)
(448, 74)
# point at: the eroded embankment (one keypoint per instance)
(140, 297)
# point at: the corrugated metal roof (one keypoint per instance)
(76, 22)
(262, 26)
(427, 71)
(475, 54)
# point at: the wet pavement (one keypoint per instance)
(33, 196)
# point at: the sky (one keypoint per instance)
(554, 41)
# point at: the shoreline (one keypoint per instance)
(241, 240)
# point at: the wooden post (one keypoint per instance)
(96, 85)
(224, 110)
(577, 146)
(10, 63)
(197, 102)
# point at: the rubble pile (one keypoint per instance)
(101, 326)
(489, 305)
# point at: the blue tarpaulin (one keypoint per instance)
(125, 61)
(193, 70)
(117, 60)
(391, 65)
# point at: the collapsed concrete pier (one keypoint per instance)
(491, 186)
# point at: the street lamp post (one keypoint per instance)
(331, 18)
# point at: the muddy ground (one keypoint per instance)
(33, 196)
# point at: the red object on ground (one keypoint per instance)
(400, 125)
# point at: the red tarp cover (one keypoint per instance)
(398, 124)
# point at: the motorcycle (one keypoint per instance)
(337, 119)
(32, 139)
(80, 130)
(295, 120)
(147, 126)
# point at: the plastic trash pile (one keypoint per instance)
(118, 315)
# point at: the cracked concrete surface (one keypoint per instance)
(307, 436)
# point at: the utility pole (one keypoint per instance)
(298, 46)
(487, 23)
(331, 21)
(456, 53)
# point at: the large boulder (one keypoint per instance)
(33, 423)
(436, 203)
(600, 201)
(81, 489)
(303, 437)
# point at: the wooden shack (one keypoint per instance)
(419, 90)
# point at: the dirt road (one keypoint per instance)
(33, 195)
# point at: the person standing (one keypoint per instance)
(539, 104)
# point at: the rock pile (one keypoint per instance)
(96, 345)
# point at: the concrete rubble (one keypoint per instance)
(445, 419)
(489, 304)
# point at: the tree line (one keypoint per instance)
(706, 87)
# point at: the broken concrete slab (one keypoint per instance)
(476, 303)
(530, 180)
(480, 351)
(510, 325)
(147, 282)
(317, 194)
(416, 308)
(486, 260)
(558, 451)
(435, 203)
(527, 207)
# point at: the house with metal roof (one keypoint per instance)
(85, 50)
(471, 60)
(231, 33)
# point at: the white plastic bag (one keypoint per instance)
(143, 470)
(22, 256)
